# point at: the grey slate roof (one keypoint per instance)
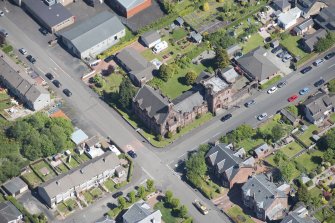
(319, 103)
(130, 4)
(94, 30)
(257, 64)
(14, 185)
(326, 18)
(8, 212)
(140, 211)
(300, 215)
(62, 183)
(151, 36)
(263, 191)
(151, 100)
(180, 21)
(187, 101)
(233, 49)
(282, 4)
(292, 118)
(305, 24)
(311, 40)
(51, 15)
(196, 36)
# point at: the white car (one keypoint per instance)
(272, 90)
(2, 13)
(23, 51)
(318, 62)
(262, 116)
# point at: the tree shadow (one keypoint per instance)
(316, 159)
(111, 205)
(182, 80)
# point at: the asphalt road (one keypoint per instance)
(93, 115)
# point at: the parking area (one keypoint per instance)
(278, 61)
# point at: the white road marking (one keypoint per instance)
(331, 66)
(148, 173)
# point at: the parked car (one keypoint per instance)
(319, 83)
(292, 98)
(318, 62)
(226, 117)
(329, 55)
(2, 13)
(287, 57)
(132, 154)
(281, 84)
(44, 31)
(201, 207)
(304, 91)
(57, 83)
(272, 90)
(23, 51)
(49, 76)
(117, 194)
(4, 32)
(249, 103)
(67, 92)
(276, 49)
(306, 69)
(281, 54)
(262, 116)
(31, 59)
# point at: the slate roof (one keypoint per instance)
(180, 21)
(196, 36)
(229, 74)
(78, 136)
(233, 49)
(257, 64)
(187, 101)
(305, 24)
(151, 100)
(62, 183)
(282, 4)
(311, 40)
(300, 215)
(292, 118)
(130, 4)
(326, 18)
(151, 36)
(51, 15)
(94, 30)
(8, 212)
(140, 211)
(14, 185)
(319, 103)
(263, 191)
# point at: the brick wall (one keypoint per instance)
(138, 8)
(241, 176)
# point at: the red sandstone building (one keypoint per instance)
(128, 8)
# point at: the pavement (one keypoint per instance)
(95, 117)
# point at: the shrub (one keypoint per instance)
(205, 7)
(169, 135)
(309, 183)
(159, 137)
(312, 175)
(319, 170)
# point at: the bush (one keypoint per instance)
(159, 137)
(205, 7)
(311, 175)
(309, 183)
(319, 170)
(169, 135)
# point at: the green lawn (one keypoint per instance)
(255, 41)
(271, 82)
(62, 168)
(310, 161)
(63, 209)
(315, 192)
(166, 213)
(291, 44)
(325, 215)
(71, 204)
(332, 117)
(291, 149)
(88, 197)
(269, 159)
(249, 144)
(96, 192)
(73, 163)
(109, 184)
(306, 136)
(40, 165)
(4, 101)
(238, 216)
(33, 180)
(178, 34)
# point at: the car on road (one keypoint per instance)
(31, 59)
(282, 84)
(319, 83)
(44, 31)
(23, 51)
(67, 92)
(292, 98)
(249, 103)
(2, 13)
(272, 90)
(117, 194)
(3, 32)
(49, 76)
(329, 55)
(201, 207)
(226, 117)
(318, 62)
(262, 116)
(287, 57)
(276, 49)
(132, 154)
(304, 91)
(57, 83)
(306, 69)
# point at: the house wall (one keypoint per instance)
(242, 176)
(315, 9)
(152, 44)
(66, 2)
(41, 102)
(308, 115)
(280, 200)
(218, 101)
(131, 12)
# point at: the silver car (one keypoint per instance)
(262, 116)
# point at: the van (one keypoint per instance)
(159, 47)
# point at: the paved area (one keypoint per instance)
(283, 66)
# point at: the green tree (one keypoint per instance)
(279, 157)
(183, 211)
(303, 194)
(166, 72)
(122, 202)
(168, 196)
(328, 140)
(328, 155)
(287, 171)
(132, 196)
(126, 93)
(293, 109)
(277, 132)
(196, 165)
(190, 77)
(141, 192)
(174, 203)
(221, 58)
(331, 86)
(150, 185)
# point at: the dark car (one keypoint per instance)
(109, 58)
(117, 194)
(67, 92)
(319, 83)
(249, 103)
(281, 84)
(281, 54)
(132, 154)
(329, 55)
(31, 59)
(276, 49)
(226, 117)
(44, 31)
(49, 76)
(57, 83)
(306, 69)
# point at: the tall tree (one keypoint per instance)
(126, 93)
(150, 185)
(141, 192)
(190, 77)
(221, 58)
(174, 203)
(132, 196)
(196, 165)
(277, 132)
(122, 202)
(166, 72)
(183, 211)
(168, 196)
(287, 171)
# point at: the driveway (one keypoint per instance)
(283, 66)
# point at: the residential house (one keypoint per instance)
(256, 66)
(303, 27)
(141, 212)
(310, 7)
(288, 19)
(230, 166)
(262, 151)
(299, 215)
(15, 186)
(309, 41)
(287, 116)
(317, 108)
(129, 8)
(139, 69)
(179, 21)
(229, 74)
(326, 18)
(9, 213)
(281, 5)
(51, 15)
(196, 37)
(93, 173)
(234, 50)
(33, 96)
(267, 200)
(93, 35)
(151, 38)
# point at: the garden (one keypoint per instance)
(238, 216)
(43, 169)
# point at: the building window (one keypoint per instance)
(115, 37)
